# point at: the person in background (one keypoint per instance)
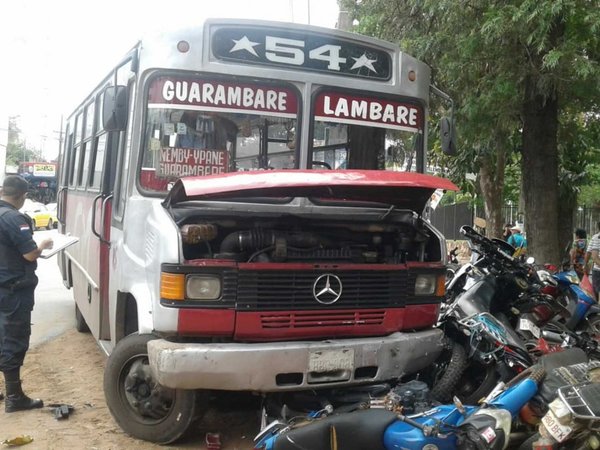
(517, 240)
(18, 256)
(593, 256)
(506, 232)
(578, 252)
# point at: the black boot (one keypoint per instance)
(16, 400)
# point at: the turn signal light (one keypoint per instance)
(441, 286)
(172, 286)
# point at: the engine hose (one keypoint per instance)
(252, 240)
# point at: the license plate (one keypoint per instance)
(330, 360)
(528, 325)
(559, 432)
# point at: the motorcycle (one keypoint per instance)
(578, 310)
(482, 344)
(443, 427)
(571, 420)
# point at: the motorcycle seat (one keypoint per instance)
(358, 430)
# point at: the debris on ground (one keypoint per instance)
(19, 440)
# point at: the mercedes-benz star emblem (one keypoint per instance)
(327, 289)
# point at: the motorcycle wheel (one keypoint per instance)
(478, 381)
(453, 370)
(593, 325)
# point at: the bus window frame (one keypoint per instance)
(210, 77)
(420, 103)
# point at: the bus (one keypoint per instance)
(248, 198)
(42, 180)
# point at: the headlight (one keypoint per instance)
(561, 411)
(203, 287)
(572, 277)
(425, 284)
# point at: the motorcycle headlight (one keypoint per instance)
(572, 277)
(561, 411)
(203, 287)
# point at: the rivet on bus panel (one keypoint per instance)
(412, 75)
(183, 46)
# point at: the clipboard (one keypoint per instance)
(61, 241)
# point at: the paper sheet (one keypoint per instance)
(61, 242)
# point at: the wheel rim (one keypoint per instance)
(148, 400)
(595, 327)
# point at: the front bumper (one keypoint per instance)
(284, 366)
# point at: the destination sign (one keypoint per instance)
(363, 110)
(217, 95)
(300, 50)
(183, 162)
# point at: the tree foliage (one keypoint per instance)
(17, 150)
(522, 73)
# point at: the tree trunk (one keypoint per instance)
(491, 182)
(566, 212)
(539, 168)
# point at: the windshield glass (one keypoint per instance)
(197, 127)
(352, 131)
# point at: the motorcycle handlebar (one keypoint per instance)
(488, 245)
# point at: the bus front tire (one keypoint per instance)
(140, 406)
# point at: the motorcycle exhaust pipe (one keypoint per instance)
(551, 336)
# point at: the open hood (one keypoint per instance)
(404, 190)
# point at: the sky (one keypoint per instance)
(55, 51)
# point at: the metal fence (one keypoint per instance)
(449, 218)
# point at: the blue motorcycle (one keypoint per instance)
(579, 311)
(443, 427)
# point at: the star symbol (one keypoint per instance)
(363, 61)
(244, 44)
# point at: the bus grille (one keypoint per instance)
(297, 320)
(293, 290)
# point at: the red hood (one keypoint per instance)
(405, 190)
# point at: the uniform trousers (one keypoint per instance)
(15, 326)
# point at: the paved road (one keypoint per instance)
(54, 310)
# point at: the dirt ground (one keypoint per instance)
(69, 370)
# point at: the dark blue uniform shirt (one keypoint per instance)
(16, 240)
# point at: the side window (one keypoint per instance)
(86, 147)
(98, 161)
(65, 158)
(75, 157)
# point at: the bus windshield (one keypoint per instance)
(353, 131)
(198, 127)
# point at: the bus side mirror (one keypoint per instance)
(114, 108)
(448, 136)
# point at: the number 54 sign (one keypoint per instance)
(304, 51)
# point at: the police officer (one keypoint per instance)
(18, 255)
